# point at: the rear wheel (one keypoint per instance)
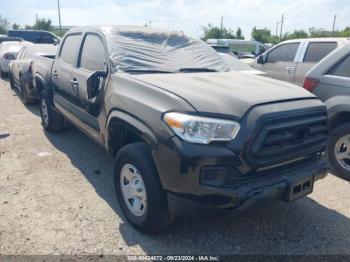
(2, 74)
(52, 120)
(24, 94)
(338, 150)
(12, 83)
(139, 192)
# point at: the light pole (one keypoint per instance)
(59, 16)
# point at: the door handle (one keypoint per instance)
(55, 74)
(290, 69)
(74, 82)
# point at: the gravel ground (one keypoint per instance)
(56, 197)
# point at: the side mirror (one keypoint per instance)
(93, 83)
(260, 60)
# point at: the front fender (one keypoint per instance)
(132, 123)
(337, 104)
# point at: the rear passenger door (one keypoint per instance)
(315, 52)
(280, 62)
(66, 93)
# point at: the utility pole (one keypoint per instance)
(59, 16)
(335, 17)
(277, 28)
(222, 22)
(36, 18)
(281, 27)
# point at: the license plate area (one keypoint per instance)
(300, 188)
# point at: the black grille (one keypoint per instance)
(286, 139)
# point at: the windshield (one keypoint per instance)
(242, 48)
(142, 50)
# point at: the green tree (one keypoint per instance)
(261, 35)
(4, 25)
(297, 34)
(345, 32)
(319, 32)
(16, 26)
(41, 24)
(211, 31)
(239, 33)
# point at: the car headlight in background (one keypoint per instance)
(202, 130)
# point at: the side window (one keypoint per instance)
(283, 53)
(342, 68)
(70, 49)
(93, 55)
(318, 50)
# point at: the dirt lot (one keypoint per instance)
(56, 197)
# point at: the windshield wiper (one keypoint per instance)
(147, 71)
(196, 69)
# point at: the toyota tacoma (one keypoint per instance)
(186, 131)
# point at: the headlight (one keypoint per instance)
(202, 130)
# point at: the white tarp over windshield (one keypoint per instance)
(144, 48)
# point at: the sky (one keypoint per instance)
(186, 15)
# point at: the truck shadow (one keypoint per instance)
(33, 108)
(303, 227)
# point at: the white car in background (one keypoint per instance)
(8, 52)
(292, 59)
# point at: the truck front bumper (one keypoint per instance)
(286, 187)
(193, 178)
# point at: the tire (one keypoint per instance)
(155, 214)
(2, 74)
(24, 94)
(341, 167)
(12, 83)
(52, 120)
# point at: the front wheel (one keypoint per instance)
(338, 150)
(52, 120)
(139, 192)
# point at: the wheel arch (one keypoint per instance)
(123, 128)
(40, 83)
(338, 111)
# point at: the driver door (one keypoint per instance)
(280, 62)
(93, 57)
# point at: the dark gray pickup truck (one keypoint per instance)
(186, 132)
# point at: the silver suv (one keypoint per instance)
(330, 81)
(290, 60)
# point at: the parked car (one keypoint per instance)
(242, 48)
(223, 50)
(330, 81)
(186, 131)
(9, 39)
(21, 73)
(8, 52)
(290, 60)
(35, 36)
(236, 65)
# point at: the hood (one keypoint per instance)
(230, 93)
